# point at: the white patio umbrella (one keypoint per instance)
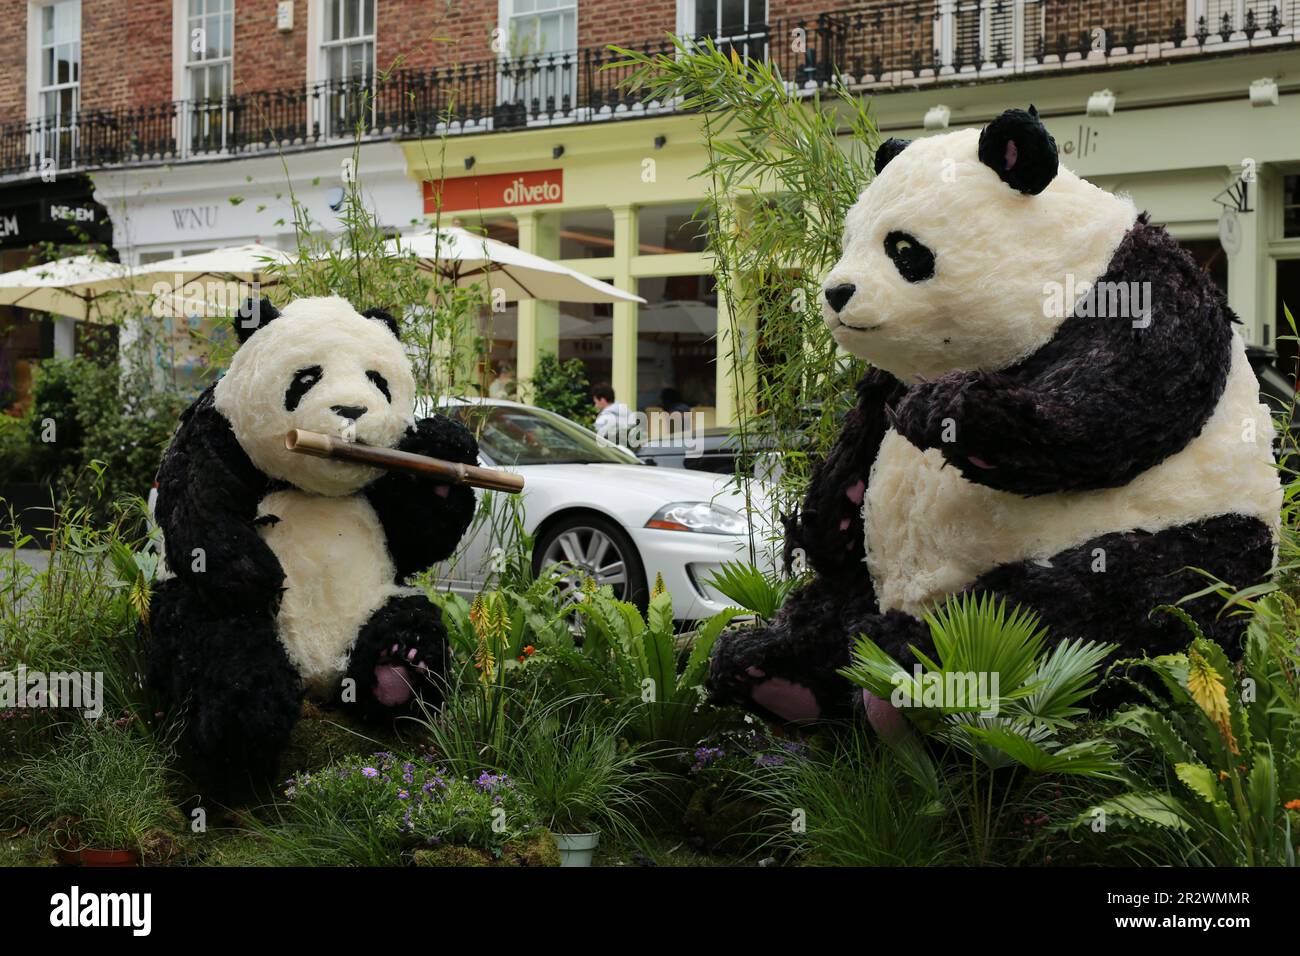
(79, 287)
(209, 283)
(247, 263)
(467, 259)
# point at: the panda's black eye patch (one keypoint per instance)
(381, 383)
(914, 261)
(303, 380)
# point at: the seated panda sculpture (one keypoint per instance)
(1059, 412)
(284, 572)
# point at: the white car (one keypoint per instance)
(598, 509)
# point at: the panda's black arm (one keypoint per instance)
(1104, 400)
(829, 529)
(425, 519)
(208, 491)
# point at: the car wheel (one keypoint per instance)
(595, 547)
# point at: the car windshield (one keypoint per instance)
(511, 435)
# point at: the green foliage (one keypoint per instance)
(747, 586)
(79, 612)
(83, 412)
(995, 698)
(1222, 746)
(580, 773)
(100, 787)
(853, 805)
(380, 810)
(662, 686)
(17, 453)
(563, 388)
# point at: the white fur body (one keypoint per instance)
(337, 572)
(930, 532)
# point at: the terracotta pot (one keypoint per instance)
(99, 858)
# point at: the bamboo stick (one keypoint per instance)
(452, 472)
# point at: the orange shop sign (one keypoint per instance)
(461, 193)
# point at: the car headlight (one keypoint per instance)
(700, 516)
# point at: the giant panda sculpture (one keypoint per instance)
(1059, 413)
(284, 573)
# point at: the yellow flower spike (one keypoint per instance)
(1207, 689)
(659, 587)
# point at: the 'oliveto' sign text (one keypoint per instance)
(537, 188)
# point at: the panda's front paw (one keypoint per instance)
(951, 413)
(398, 653)
(440, 437)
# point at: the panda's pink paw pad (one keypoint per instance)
(393, 684)
(787, 700)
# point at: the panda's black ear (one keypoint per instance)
(1019, 149)
(887, 150)
(254, 314)
(384, 316)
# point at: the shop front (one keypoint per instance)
(40, 221)
(619, 202)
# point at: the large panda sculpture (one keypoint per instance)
(1059, 413)
(284, 573)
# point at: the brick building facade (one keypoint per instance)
(128, 47)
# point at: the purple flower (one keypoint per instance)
(369, 772)
(488, 782)
(769, 760)
(404, 795)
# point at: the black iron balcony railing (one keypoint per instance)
(874, 48)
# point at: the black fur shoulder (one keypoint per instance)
(1107, 398)
(208, 491)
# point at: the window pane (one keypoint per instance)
(501, 228)
(335, 64)
(757, 12)
(706, 17)
(67, 20)
(64, 64)
(1291, 212)
(352, 18)
(733, 17)
(587, 235)
(370, 17)
(227, 34)
(676, 351)
(47, 25)
(47, 68)
(671, 228)
(586, 333)
(333, 16)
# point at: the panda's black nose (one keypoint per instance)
(838, 295)
(352, 412)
